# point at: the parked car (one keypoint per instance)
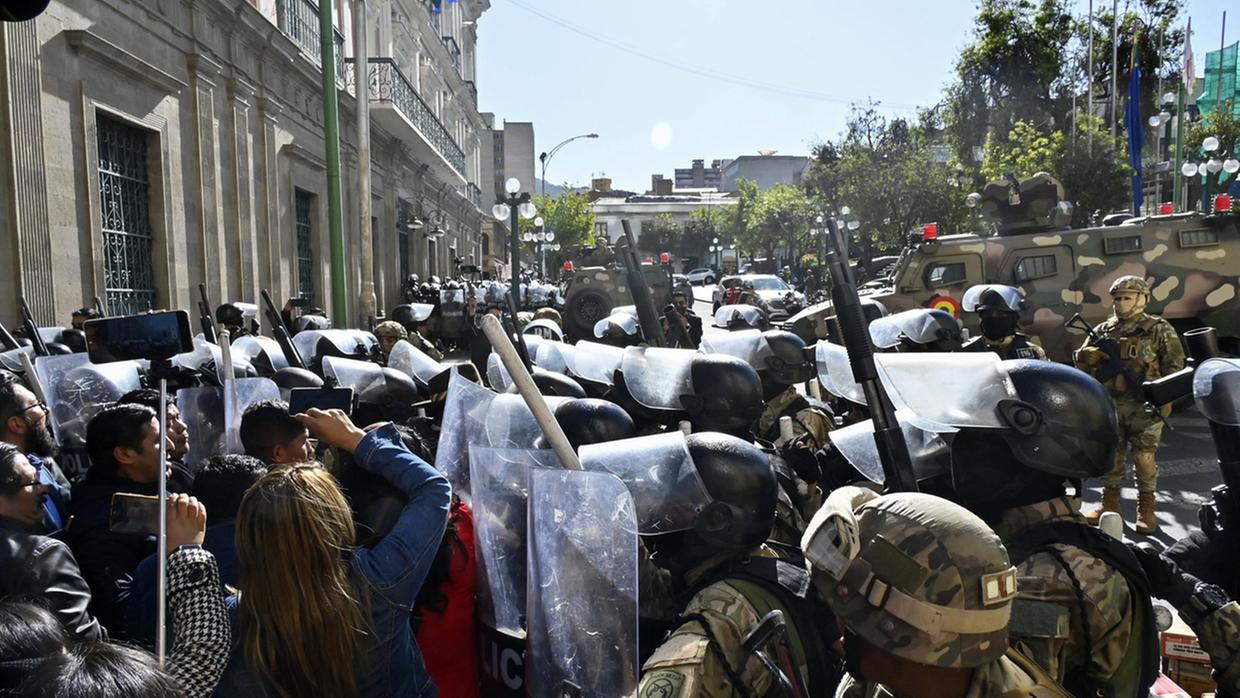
(702, 275)
(772, 294)
(720, 294)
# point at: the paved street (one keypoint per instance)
(1188, 468)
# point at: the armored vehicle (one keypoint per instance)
(1191, 261)
(590, 293)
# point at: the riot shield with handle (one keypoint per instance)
(210, 428)
(500, 489)
(582, 591)
(76, 390)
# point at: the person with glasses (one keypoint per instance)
(24, 424)
(34, 565)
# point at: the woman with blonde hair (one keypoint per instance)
(317, 615)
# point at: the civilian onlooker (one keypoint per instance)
(270, 434)
(23, 423)
(29, 635)
(123, 444)
(34, 566)
(101, 670)
(319, 616)
(81, 315)
(180, 478)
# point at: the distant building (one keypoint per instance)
(507, 152)
(612, 207)
(699, 176)
(765, 169)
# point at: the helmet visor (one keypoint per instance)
(728, 315)
(413, 362)
(1010, 298)
(622, 321)
(659, 472)
(835, 372)
(656, 377)
(350, 373)
(251, 347)
(918, 325)
(554, 356)
(747, 345)
(596, 362)
(1216, 389)
(927, 450)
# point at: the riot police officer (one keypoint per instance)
(998, 308)
(1123, 351)
(924, 590)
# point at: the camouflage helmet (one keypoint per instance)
(549, 314)
(1130, 284)
(913, 575)
(391, 329)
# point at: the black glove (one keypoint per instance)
(803, 462)
(1167, 580)
(1114, 366)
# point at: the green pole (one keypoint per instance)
(1178, 195)
(331, 137)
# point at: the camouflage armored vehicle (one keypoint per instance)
(591, 292)
(1191, 261)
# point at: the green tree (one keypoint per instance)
(660, 234)
(776, 218)
(1142, 24)
(1223, 125)
(569, 216)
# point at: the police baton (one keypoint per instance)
(888, 437)
(521, 378)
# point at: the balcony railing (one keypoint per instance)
(299, 20)
(388, 84)
(454, 52)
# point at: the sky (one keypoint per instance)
(664, 82)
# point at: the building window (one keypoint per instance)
(1198, 238)
(404, 215)
(124, 199)
(1121, 245)
(1039, 267)
(305, 245)
(945, 274)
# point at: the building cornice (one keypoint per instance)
(96, 47)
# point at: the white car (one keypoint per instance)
(701, 275)
(771, 292)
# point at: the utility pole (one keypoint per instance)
(361, 78)
(1089, 74)
(1178, 198)
(1114, 61)
(331, 138)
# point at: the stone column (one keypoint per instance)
(273, 274)
(242, 237)
(203, 201)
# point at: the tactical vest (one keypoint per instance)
(1139, 667)
(773, 583)
(1130, 354)
(1018, 348)
(1044, 686)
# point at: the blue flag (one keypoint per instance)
(1136, 137)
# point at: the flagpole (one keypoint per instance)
(1178, 197)
(1089, 73)
(1114, 63)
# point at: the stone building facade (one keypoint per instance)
(148, 146)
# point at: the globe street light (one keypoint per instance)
(516, 204)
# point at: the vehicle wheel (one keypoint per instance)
(583, 309)
(708, 280)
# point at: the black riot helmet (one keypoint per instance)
(229, 315)
(74, 339)
(727, 393)
(998, 307)
(552, 383)
(741, 483)
(389, 399)
(403, 314)
(292, 377)
(593, 421)
(1061, 426)
(787, 362)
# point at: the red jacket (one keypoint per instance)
(448, 640)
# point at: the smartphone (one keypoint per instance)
(134, 513)
(149, 336)
(299, 302)
(302, 399)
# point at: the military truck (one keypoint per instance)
(590, 293)
(1191, 261)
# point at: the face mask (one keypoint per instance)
(999, 326)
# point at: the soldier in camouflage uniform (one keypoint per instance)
(1146, 347)
(733, 580)
(924, 590)
(999, 309)
(389, 332)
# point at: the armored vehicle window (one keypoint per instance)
(1198, 238)
(945, 274)
(1039, 267)
(1120, 245)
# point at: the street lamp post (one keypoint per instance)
(514, 207)
(545, 157)
(1210, 169)
(542, 240)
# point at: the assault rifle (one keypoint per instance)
(204, 314)
(280, 332)
(647, 314)
(32, 329)
(1115, 365)
(888, 437)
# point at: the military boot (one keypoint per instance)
(1147, 522)
(1110, 502)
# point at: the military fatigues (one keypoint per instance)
(1017, 346)
(1150, 348)
(806, 419)
(1046, 621)
(425, 346)
(1009, 675)
(1219, 635)
(687, 665)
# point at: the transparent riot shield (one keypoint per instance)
(623, 322)
(919, 325)
(464, 417)
(202, 410)
(77, 390)
(351, 373)
(656, 377)
(497, 374)
(259, 351)
(747, 345)
(422, 311)
(596, 362)
(958, 390)
(658, 471)
(748, 315)
(208, 355)
(927, 450)
(345, 342)
(544, 328)
(452, 313)
(500, 502)
(1011, 297)
(414, 362)
(11, 360)
(553, 355)
(582, 598)
(835, 372)
(509, 423)
(1216, 389)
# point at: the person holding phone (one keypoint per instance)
(317, 615)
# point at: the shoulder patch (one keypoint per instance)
(663, 683)
(1041, 619)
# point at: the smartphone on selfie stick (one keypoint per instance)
(157, 337)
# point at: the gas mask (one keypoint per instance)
(998, 325)
(1129, 304)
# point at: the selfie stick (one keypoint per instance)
(161, 638)
(494, 331)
